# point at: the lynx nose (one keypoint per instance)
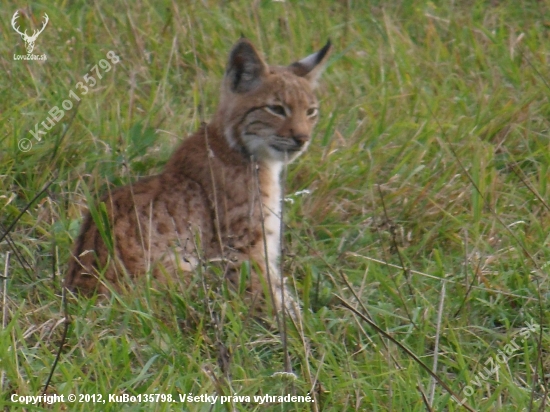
(300, 139)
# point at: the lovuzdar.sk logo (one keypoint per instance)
(29, 40)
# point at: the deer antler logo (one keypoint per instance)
(29, 40)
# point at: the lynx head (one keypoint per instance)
(268, 112)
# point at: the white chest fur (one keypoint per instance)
(272, 213)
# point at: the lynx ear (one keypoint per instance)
(245, 67)
(312, 66)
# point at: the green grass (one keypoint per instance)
(432, 149)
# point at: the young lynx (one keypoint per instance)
(219, 195)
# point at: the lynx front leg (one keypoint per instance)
(263, 285)
(278, 289)
(282, 297)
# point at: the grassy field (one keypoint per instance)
(427, 210)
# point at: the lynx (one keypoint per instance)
(219, 196)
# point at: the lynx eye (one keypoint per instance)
(276, 109)
(312, 112)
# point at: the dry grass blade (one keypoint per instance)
(365, 310)
(436, 344)
(4, 310)
(406, 350)
(394, 243)
(519, 173)
(16, 252)
(498, 292)
(12, 225)
(425, 400)
(471, 285)
(66, 324)
(406, 272)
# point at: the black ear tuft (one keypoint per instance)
(245, 67)
(311, 66)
